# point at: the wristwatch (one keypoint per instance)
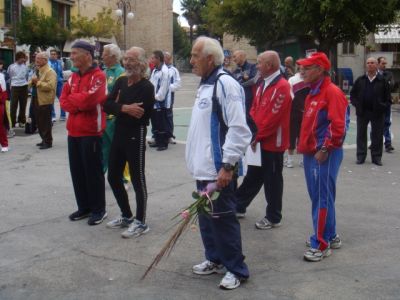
(228, 167)
(324, 149)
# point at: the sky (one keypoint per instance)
(177, 9)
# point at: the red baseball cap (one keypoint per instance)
(317, 58)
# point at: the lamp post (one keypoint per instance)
(124, 11)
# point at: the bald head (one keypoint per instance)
(289, 61)
(268, 63)
(239, 57)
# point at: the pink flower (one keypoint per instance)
(185, 214)
(211, 187)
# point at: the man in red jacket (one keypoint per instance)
(323, 129)
(271, 113)
(82, 97)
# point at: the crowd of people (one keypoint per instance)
(276, 107)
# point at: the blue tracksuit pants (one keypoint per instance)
(321, 185)
(221, 233)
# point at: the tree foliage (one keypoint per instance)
(101, 26)
(180, 41)
(327, 21)
(39, 30)
(193, 14)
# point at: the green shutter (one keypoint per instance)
(54, 10)
(8, 12)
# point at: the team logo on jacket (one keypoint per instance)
(278, 103)
(204, 103)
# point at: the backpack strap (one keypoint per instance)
(216, 106)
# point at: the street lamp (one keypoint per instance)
(124, 11)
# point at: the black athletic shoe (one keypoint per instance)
(389, 148)
(79, 215)
(96, 219)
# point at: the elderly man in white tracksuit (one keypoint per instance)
(217, 138)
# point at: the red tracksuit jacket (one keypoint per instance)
(83, 97)
(325, 119)
(271, 113)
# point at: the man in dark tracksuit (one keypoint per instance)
(131, 101)
(371, 97)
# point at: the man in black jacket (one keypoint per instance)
(388, 113)
(371, 97)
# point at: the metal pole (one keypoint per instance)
(124, 22)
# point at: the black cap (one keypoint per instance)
(84, 45)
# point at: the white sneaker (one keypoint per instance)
(172, 141)
(120, 222)
(136, 229)
(265, 224)
(315, 255)
(10, 133)
(229, 282)
(4, 149)
(289, 164)
(208, 267)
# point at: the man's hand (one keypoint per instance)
(135, 110)
(34, 80)
(224, 178)
(321, 156)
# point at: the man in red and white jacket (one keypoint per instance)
(271, 113)
(83, 97)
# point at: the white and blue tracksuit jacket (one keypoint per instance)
(160, 79)
(174, 84)
(207, 146)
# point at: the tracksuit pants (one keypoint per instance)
(159, 124)
(86, 171)
(3, 130)
(220, 232)
(129, 148)
(386, 126)
(269, 175)
(321, 185)
(58, 94)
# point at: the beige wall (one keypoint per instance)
(242, 44)
(151, 28)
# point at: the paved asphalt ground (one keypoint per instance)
(45, 256)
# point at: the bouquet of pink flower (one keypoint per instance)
(202, 204)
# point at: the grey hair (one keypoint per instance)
(211, 47)
(114, 50)
(43, 54)
(142, 59)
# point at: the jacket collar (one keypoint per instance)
(316, 87)
(212, 77)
